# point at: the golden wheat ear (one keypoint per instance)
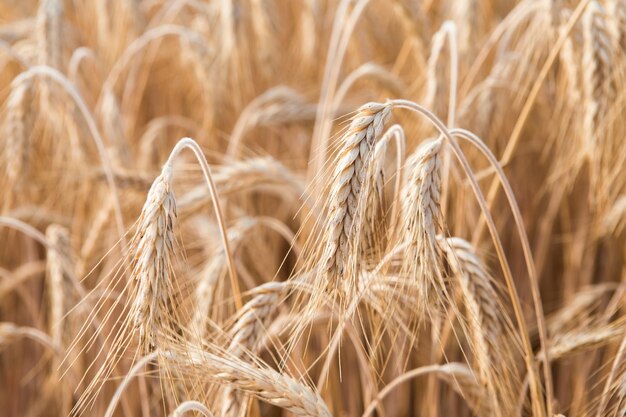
(421, 221)
(152, 272)
(344, 217)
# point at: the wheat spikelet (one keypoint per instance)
(266, 384)
(569, 65)
(347, 183)
(57, 270)
(153, 245)
(618, 11)
(374, 235)
(48, 33)
(597, 68)
(247, 331)
(477, 289)
(422, 218)
(18, 125)
(113, 126)
(48, 38)
(485, 325)
(580, 340)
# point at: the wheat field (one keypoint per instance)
(315, 208)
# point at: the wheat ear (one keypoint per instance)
(18, 123)
(347, 182)
(422, 219)
(152, 270)
(264, 383)
(247, 331)
(485, 324)
(597, 68)
(48, 33)
(58, 271)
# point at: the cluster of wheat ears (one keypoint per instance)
(315, 208)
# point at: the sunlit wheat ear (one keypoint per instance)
(476, 285)
(422, 220)
(347, 181)
(248, 330)
(484, 313)
(581, 340)
(48, 33)
(259, 380)
(17, 130)
(60, 277)
(58, 268)
(598, 56)
(153, 246)
(49, 43)
(113, 126)
(617, 11)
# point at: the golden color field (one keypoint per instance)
(315, 208)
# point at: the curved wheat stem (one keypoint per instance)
(191, 405)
